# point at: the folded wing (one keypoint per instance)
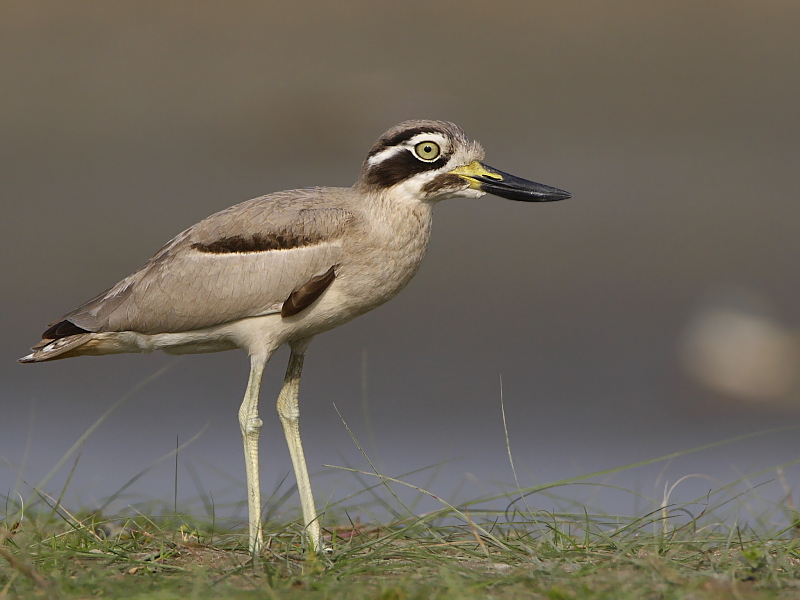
(242, 262)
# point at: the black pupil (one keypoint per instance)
(427, 149)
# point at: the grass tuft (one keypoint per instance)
(697, 549)
(732, 541)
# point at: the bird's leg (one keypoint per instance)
(289, 412)
(250, 424)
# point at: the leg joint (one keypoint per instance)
(287, 410)
(251, 426)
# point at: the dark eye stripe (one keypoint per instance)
(441, 182)
(400, 167)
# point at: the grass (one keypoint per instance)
(731, 542)
(697, 549)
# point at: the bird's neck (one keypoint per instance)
(403, 218)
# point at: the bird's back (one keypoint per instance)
(240, 262)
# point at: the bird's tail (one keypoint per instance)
(64, 347)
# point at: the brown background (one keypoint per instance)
(675, 126)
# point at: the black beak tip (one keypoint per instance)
(538, 192)
(530, 192)
(515, 188)
(561, 195)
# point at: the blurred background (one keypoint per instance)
(655, 311)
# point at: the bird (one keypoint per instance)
(280, 269)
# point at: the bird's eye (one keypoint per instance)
(427, 151)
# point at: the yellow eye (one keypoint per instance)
(427, 151)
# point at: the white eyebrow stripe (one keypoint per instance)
(443, 142)
(386, 154)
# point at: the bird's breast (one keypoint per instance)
(377, 261)
(386, 258)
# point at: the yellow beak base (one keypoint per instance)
(473, 171)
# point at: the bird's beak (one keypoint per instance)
(487, 179)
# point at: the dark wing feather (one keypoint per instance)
(301, 299)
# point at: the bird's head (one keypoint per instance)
(430, 161)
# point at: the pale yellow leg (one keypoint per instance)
(289, 412)
(250, 424)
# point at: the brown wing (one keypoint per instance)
(241, 262)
